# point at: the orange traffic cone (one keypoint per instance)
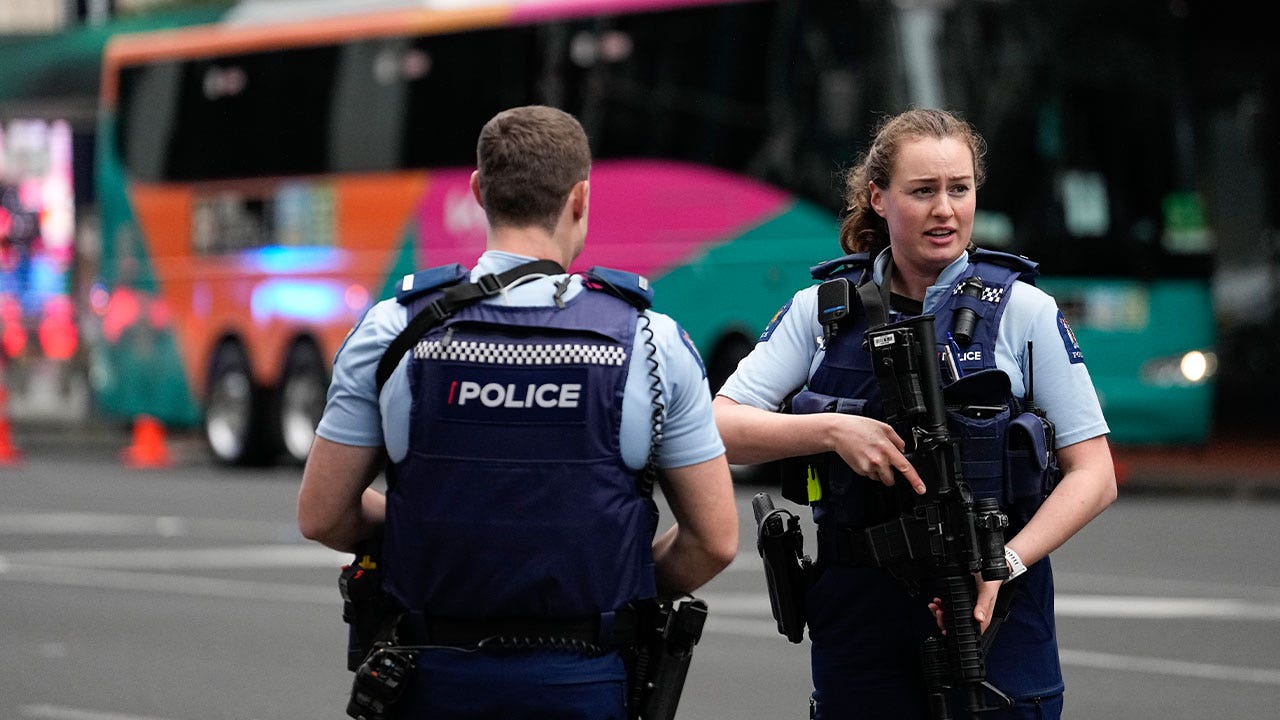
(9, 455)
(149, 449)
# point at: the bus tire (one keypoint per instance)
(233, 414)
(301, 400)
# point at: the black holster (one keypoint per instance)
(659, 663)
(365, 607)
(786, 567)
(373, 654)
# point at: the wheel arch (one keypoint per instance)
(731, 344)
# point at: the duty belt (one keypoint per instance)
(902, 540)
(607, 631)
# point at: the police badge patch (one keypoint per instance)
(693, 349)
(773, 323)
(1069, 340)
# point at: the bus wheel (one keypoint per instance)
(302, 396)
(231, 419)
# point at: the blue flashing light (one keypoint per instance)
(303, 300)
(285, 260)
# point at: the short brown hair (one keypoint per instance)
(862, 229)
(529, 158)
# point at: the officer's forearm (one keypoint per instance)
(752, 435)
(344, 531)
(682, 566)
(336, 506)
(704, 538)
(1088, 487)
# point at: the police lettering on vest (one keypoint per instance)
(546, 395)
(520, 395)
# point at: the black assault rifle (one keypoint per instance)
(944, 536)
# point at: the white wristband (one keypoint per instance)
(1016, 567)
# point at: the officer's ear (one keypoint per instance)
(580, 199)
(475, 187)
(876, 199)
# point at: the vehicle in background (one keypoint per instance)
(262, 183)
(1087, 108)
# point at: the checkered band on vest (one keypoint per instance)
(989, 294)
(491, 353)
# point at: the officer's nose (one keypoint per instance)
(942, 206)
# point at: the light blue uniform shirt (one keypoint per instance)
(353, 415)
(791, 350)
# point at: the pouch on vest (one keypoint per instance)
(978, 418)
(1032, 463)
(803, 477)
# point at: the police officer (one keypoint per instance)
(911, 203)
(522, 433)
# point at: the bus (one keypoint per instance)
(262, 182)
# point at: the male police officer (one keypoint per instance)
(517, 527)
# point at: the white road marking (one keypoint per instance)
(58, 712)
(175, 584)
(733, 613)
(154, 570)
(218, 558)
(36, 522)
(1160, 666)
(1164, 608)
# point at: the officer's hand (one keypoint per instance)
(935, 607)
(873, 449)
(983, 607)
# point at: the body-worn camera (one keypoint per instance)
(379, 681)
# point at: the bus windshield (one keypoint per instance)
(1091, 165)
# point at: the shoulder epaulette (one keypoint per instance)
(629, 286)
(423, 281)
(1026, 268)
(856, 261)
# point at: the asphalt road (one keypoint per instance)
(187, 594)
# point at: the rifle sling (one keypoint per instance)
(452, 299)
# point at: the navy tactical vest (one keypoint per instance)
(513, 500)
(1005, 451)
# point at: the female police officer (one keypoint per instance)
(911, 204)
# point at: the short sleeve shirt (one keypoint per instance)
(355, 415)
(790, 350)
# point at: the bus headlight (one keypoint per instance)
(1191, 368)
